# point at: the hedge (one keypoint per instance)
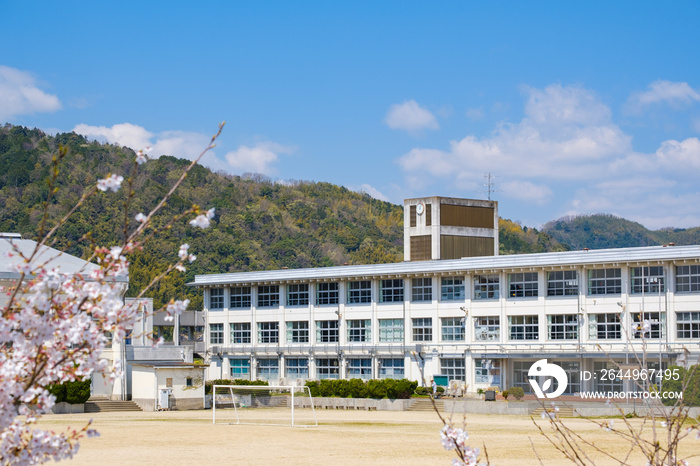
(357, 388)
(208, 385)
(77, 392)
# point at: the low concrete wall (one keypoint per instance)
(355, 403)
(146, 404)
(67, 408)
(478, 406)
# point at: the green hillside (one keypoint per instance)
(607, 231)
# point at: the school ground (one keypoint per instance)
(341, 438)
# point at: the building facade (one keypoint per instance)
(481, 320)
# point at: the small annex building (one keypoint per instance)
(166, 385)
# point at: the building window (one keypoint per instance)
(298, 332)
(391, 291)
(688, 324)
(216, 334)
(688, 278)
(240, 297)
(188, 382)
(524, 327)
(240, 332)
(562, 327)
(656, 321)
(422, 289)
(562, 283)
(327, 368)
(452, 289)
(391, 369)
(327, 293)
(359, 330)
(488, 371)
(216, 298)
(523, 284)
(647, 279)
(423, 329)
(452, 328)
(360, 368)
(604, 327)
(391, 330)
(327, 331)
(240, 368)
(268, 369)
(297, 368)
(604, 281)
(298, 295)
(360, 292)
(268, 332)
(486, 286)
(268, 296)
(487, 328)
(453, 368)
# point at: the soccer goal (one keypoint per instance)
(263, 405)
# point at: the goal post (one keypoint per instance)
(282, 405)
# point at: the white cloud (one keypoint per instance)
(259, 158)
(528, 191)
(566, 133)
(372, 191)
(181, 144)
(410, 116)
(681, 156)
(673, 93)
(19, 95)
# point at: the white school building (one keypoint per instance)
(456, 308)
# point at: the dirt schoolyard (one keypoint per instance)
(342, 437)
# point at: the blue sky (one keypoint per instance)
(574, 108)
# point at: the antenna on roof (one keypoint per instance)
(489, 182)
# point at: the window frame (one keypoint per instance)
(300, 368)
(491, 324)
(297, 331)
(327, 331)
(359, 292)
(452, 329)
(422, 289)
(486, 288)
(327, 293)
(297, 295)
(219, 298)
(216, 335)
(244, 335)
(652, 283)
(359, 330)
(529, 328)
(452, 289)
(609, 283)
(327, 368)
(268, 296)
(611, 325)
(522, 284)
(568, 326)
(239, 298)
(394, 370)
(691, 324)
(422, 329)
(359, 367)
(392, 333)
(689, 279)
(562, 283)
(391, 290)
(452, 368)
(269, 335)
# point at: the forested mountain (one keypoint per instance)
(608, 231)
(259, 224)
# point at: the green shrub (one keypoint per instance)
(440, 389)
(505, 394)
(76, 392)
(517, 392)
(357, 388)
(210, 383)
(480, 391)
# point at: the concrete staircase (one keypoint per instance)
(424, 404)
(103, 406)
(564, 411)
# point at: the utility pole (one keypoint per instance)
(489, 182)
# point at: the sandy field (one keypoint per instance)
(342, 437)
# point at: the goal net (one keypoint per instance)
(263, 405)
